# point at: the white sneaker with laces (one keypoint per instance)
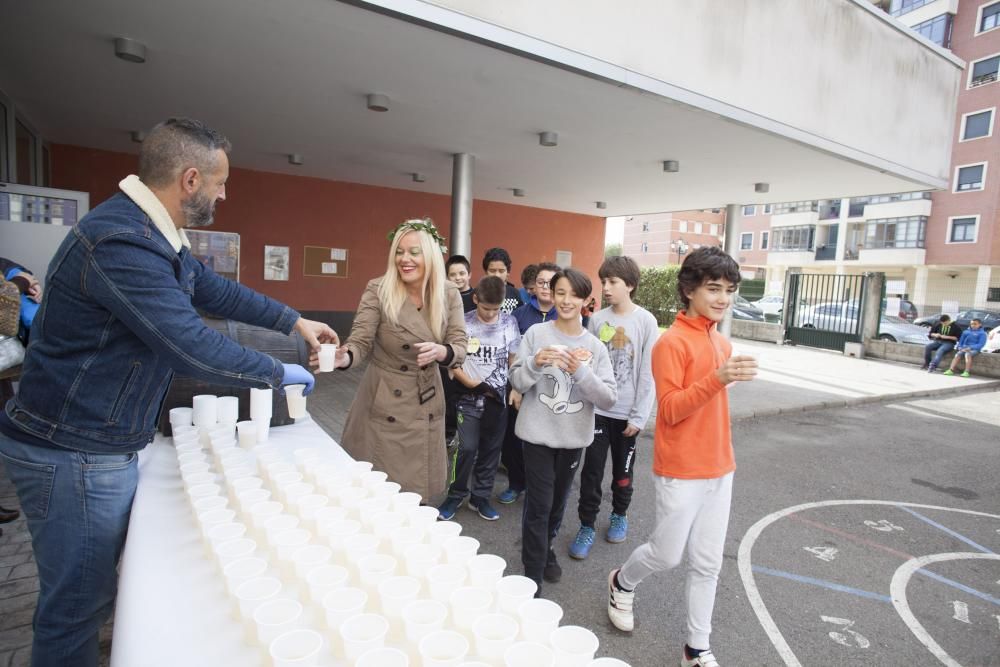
(703, 659)
(620, 605)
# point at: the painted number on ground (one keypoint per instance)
(826, 554)
(883, 525)
(961, 611)
(848, 637)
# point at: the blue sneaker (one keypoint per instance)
(485, 510)
(580, 548)
(509, 496)
(448, 508)
(618, 530)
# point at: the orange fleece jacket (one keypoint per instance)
(693, 439)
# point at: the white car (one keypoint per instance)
(843, 318)
(771, 305)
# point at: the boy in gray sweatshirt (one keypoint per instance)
(563, 372)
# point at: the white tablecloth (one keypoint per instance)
(172, 608)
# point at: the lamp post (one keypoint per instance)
(681, 247)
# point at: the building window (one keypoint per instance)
(682, 226)
(746, 241)
(990, 17)
(900, 196)
(900, 7)
(978, 124)
(984, 71)
(645, 247)
(963, 230)
(697, 228)
(792, 239)
(767, 209)
(749, 210)
(763, 240)
(937, 30)
(795, 207)
(907, 232)
(645, 226)
(713, 229)
(970, 178)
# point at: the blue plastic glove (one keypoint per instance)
(295, 374)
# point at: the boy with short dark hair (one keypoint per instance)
(528, 274)
(969, 345)
(459, 271)
(692, 453)
(629, 332)
(496, 262)
(944, 335)
(482, 400)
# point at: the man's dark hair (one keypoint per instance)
(945, 317)
(457, 259)
(623, 268)
(704, 264)
(547, 266)
(578, 282)
(976, 319)
(491, 291)
(496, 255)
(178, 144)
(528, 274)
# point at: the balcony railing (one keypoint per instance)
(826, 252)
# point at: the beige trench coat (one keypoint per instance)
(397, 418)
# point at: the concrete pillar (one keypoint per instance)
(732, 246)
(919, 294)
(463, 165)
(872, 299)
(982, 286)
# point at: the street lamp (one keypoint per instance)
(681, 247)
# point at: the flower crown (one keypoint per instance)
(421, 225)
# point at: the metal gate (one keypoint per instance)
(824, 310)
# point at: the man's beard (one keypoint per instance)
(199, 211)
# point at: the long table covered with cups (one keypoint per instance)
(288, 552)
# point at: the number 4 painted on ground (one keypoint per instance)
(826, 554)
(840, 637)
(883, 525)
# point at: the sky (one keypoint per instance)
(614, 232)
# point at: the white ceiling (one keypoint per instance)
(291, 77)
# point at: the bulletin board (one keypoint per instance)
(219, 251)
(323, 262)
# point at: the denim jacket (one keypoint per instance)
(118, 319)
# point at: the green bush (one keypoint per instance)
(657, 293)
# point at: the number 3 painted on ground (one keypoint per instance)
(840, 637)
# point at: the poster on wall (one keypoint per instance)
(219, 251)
(276, 262)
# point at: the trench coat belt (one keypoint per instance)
(426, 389)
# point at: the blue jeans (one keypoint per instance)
(942, 347)
(77, 506)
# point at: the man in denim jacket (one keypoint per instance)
(117, 320)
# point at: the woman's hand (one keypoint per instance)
(428, 352)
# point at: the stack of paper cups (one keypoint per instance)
(205, 412)
(260, 411)
(229, 410)
(179, 417)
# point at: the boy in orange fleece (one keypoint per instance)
(692, 452)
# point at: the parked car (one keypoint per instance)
(907, 310)
(774, 304)
(843, 317)
(744, 310)
(930, 320)
(989, 318)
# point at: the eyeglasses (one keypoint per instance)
(542, 283)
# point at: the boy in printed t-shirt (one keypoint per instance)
(692, 452)
(482, 400)
(629, 332)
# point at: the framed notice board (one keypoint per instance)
(322, 262)
(219, 251)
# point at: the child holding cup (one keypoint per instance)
(563, 372)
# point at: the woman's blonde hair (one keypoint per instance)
(392, 291)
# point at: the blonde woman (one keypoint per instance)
(409, 321)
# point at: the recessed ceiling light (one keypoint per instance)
(378, 102)
(548, 139)
(138, 136)
(602, 204)
(671, 166)
(518, 192)
(295, 158)
(761, 187)
(418, 177)
(130, 50)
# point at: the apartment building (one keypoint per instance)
(660, 239)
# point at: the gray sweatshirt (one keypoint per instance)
(557, 409)
(629, 340)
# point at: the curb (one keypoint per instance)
(868, 400)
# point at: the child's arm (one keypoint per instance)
(675, 401)
(524, 374)
(597, 385)
(464, 378)
(645, 388)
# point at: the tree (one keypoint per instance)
(613, 250)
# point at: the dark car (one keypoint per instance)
(989, 318)
(907, 310)
(744, 310)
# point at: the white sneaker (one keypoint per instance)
(703, 659)
(620, 605)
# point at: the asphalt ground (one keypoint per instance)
(823, 574)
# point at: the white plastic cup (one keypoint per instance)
(328, 514)
(468, 604)
(423, 516)
(194, 479)
(252, 593)
(276, 468)
(234, 550)
(385, 490)
(237, 471)
(229, 410)
(370, 507)
(187, 444)
(266, 455)
(573, 646)
(538, 618)
(209, 503)
(242, 485)
(336, 532)
(442, 531)
(404, 537)
(287, 543)
(422, 617)
(608, 662)
(308, 505)
(247, 431)
(395, 593)
(361, 633)
(243, 570)
(493, 634)
(203, 490)
(406, 500)
(476, 663)
(350, 497)
(306, 457)
(296, 648)
(263, 428)
(529, 654)
(261, 404)
(193, 464)
(485, 570)
(343, 603)
(384, 524)
(324, 579)
(211, 518)
(359, 468)
(459, 550)
(221, 433)
(276, 617)
(310, 557)
(292, 492)
(359, 547)
(180, 417)
(204, 413)
(250, 497)
(374, 570)
(224, 532)
(372, 479)
(383, 657)
(443, 648)
(420, 558)
(276, 525)
(512, 591)
(282, 480)
(443, 580)
(327, 357)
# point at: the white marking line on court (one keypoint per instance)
(746, 567)
(897, 589)
(922, 413)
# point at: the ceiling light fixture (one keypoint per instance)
(130, 50)
(138, 136)
(602, 204)
(378, 102)
(295, 158)
(418, 177)
(762, 187)
(548, 139)
(518, 192)
(671, 166)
